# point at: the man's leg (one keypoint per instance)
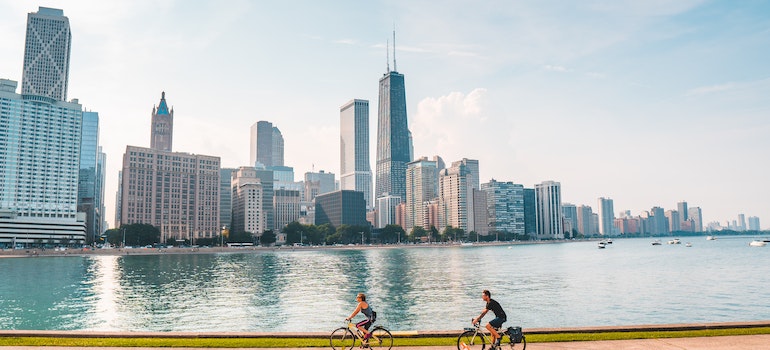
(493, 332)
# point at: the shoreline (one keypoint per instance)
(80, 252)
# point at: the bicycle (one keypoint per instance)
(345, 337)
(475, 338)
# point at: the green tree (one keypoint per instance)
(434, 235)
(268, 238)
(294, 232)
(134, 234)
(392, 234)
(417, 234)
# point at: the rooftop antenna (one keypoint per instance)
(395, 67)
(387, 55)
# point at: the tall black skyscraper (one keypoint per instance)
(393, 144)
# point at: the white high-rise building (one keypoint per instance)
(40, 154)
(355, 167)
(421, 188)
(696, 215)
(455, 203)
(754, 223)
(548, 210)
(47, 54)
(606, 216)
(249, 213)
(386, 210)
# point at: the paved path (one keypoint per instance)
(737, 342)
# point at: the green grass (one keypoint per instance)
(319, 342)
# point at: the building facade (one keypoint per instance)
(266, 146)
(40, 168)
(606, 216)
(342, 207)
(393, 144)
(570, 221)
(696, 215)
(47, 54)
(286, 207)
(421, 187)
(456, 207)
(505, 207)
(386, 210)
(226, 197)
(584, 214)
(176, 192)
(90, 177)
(548, 210)
(355, 167)
(248, 192)
(319, 183)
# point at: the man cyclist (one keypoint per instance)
(497, 322)
(364, 308)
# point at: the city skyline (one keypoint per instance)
(648, 105)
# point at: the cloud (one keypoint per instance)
(556, 68)
(702, 90)
(446, 125)
(345, 41)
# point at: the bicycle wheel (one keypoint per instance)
(470, 340)
(342, 339)
(520, 345)
(381, 339)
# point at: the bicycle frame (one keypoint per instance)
(357, 332)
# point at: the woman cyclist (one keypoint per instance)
(364, 308)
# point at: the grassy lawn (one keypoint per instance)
(317, 342)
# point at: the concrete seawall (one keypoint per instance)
(405, 334)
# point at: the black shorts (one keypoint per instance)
(365, 323)
(497, 322)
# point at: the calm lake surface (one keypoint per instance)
(426, 288)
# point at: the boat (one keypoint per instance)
(688, 244)
(602, 245)
(656, 242)
(608, 241)
(674, 241)
(757, 243)
(711, 238)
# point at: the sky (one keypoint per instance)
(646, 102)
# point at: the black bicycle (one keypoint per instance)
(475, 339)
(344, 338)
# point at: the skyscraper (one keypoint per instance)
(393, 145)
(89, 184)
(606, 216)
(40, 150)
(162, 128)
(226, 196)
(548, 210)
(47, 54)
(456, 197)
(421, 188)
(584, 214)
(173, 191)
(355, 168)
(505, 206)
(266, 145)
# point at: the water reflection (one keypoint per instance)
(547, 285)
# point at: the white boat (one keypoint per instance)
(608, 241)
(757, 243)
(711, 238)
(674, 241)
(656, 242)
(688, 244)
(602, 245)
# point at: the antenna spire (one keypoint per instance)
(395, 67)
(387, 55)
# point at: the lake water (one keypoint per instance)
(426, 288)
